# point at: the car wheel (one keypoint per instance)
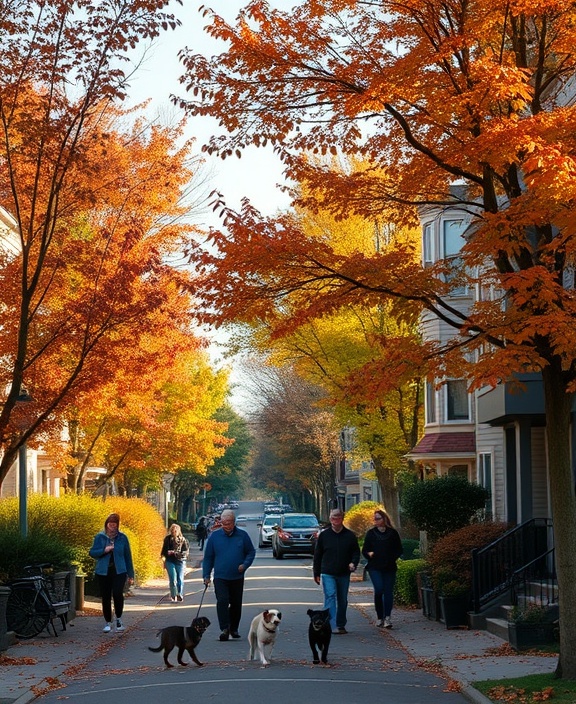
(279, 555)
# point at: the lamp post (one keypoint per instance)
(23, 397)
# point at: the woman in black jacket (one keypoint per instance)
(382, 547)
(174, 553)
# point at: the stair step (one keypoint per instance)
(498, 627)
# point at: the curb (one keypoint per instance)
(473, 695)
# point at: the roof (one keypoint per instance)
(446, 444)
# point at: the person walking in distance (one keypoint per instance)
(201, 531)
(114, 566)
(382, 547)
(174, 553)
(229, 552)
(336, 556)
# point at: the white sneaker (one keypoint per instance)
(379, 623)
(387, 622)
(119, 625)
(107, 628)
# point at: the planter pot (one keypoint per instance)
(7, 638)
(530, 635)
(454, 610)
(429, 603)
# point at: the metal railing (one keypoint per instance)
(536, 582)
(496, 568)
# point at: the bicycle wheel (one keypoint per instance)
(27, 611)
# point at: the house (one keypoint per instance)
(493, 436)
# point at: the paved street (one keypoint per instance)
(365, 664)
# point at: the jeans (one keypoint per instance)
(383, 583)
(229, 602)
(176, 577)
(336, 597)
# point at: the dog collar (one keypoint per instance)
(270, 630)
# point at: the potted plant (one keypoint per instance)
(450, 564)
(531, 625)
(453, 597)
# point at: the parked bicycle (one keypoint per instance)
(36, 599)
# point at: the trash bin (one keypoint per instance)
(79, 596)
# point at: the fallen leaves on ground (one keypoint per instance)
(6, 660)
(48, 684)
(518, 695)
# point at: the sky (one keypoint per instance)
(258, 172)
(255, 175)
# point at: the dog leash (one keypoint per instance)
(201, 600)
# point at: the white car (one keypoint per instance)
(266, 529)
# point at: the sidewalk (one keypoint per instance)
(33, 667)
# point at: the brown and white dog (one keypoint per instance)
(262, 634)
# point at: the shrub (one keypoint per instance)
(406, 587)
(61, 530)
(450, 560)
(359, 518)
(17, 552)
(410, 549)
(443, 505)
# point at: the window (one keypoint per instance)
(452, 242)
(457, 400)
(453, 237)
(430, 404)
(428, 244)
(485, 478)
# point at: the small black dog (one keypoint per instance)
(319, 633)
(183, 639)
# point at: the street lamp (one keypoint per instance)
(23, 397)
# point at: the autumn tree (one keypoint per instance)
(338, 351)
(428, 95)
(88, 214)
(296, 438)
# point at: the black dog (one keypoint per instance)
(183, 639)
(319, 634)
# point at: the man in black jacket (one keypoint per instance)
(336, 555)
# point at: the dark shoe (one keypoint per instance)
(340, 631)
(224, 635)
(179, 597)
(235, 634)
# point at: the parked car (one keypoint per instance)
(265, 530)
(296, 535)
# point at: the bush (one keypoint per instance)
(17, 552)
(406, 587)
(450, 560)
(359, 518)
(443, 505)
(61, 531)
(410, 549)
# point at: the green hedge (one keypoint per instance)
(61, 531)
(406, 588)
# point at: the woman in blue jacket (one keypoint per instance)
(111, 550)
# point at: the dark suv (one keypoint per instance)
(296, 534)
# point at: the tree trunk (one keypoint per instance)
(389, 491)
(562, 490)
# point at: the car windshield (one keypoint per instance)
(270, 521)
(300, 522)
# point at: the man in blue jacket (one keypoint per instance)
(229, 552)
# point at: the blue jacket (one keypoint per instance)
(122, 554)
(225, 553)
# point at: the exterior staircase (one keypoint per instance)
(515, 570)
